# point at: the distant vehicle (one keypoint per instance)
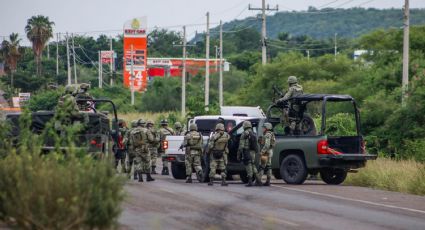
(244, 111)
(95, 138)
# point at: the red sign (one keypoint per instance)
(106, 56)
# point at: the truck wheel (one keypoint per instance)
(333, 176)
(293, 169)
(178, 170)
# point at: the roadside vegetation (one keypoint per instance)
(64, 189)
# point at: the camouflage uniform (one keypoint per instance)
(83, 94)
(267, 144)
(122, 149)
(163, 132)
(130, 150)
(153, 144)
(139, 140)
(294, 90)
(247, 154)
(67, 112)
(178, 129)
(217, 149)
(193, 144)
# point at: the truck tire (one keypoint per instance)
(293, 169)
(178, 170)
(333, 176)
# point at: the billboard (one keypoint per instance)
(107, 56)
(135, 53)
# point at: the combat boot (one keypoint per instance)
(249, 182)
(140, 177)
(258, 181)
(165, 171)
(211, 183)
(267, 182)
(149, 177)
(189, 179)
(223, 181)
(154, 170)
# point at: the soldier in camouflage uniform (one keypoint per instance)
(178, 129)
(83, 94)
(247, 151)
(139, 141)
(122, 149)
(130, 150)
(294, 90)
(67, 112)
(153, 144)
(193, 144)
(267, 143)
(217, 149)
(163, 132)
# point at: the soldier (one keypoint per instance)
(289, 118)
(267, 143)
(178, 129)
(67, 109)
(130, 150)
(246, 152)
(153, 144)
(83, 94)
(163, 132)
(139, 140)
(193, 144)
(122, 149)
(217, 149)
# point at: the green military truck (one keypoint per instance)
(328, 141)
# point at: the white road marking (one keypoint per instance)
(354, 200)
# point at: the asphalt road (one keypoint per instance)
(172, 204)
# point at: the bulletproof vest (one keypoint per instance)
(298, 90)
(195, 140)
(272, 139)
(221, 142)
(165, 132)
(138, 137)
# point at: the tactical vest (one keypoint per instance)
(272, 140)
(298, 90)
(138, 137)
(221, 143)
(195, 140)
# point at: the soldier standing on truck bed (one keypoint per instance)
(178, 129)
(153, 144)
(164, 131)
(121, 153)
(289, 116)
(83, 94)
(217, 149)
(267, 143)
(193, 144)
(248, 148)
(139, 140)
(130, 150)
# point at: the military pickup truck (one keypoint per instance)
(323, 144)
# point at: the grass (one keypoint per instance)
(406, 176)
(156, 117)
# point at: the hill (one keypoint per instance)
(324, 23)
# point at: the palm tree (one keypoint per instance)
(11, 52)
(39, 31)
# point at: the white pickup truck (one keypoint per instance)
(206, 124)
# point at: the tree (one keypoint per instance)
(11, 52)
(39, 31)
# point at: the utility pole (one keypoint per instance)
(100, 69)
(132, 76)
(184, 74)
(215, 61)
(48, 50)
(220, 81)
(112, 61)
(67, 59)
(263, 29)
(57, 54)
(308, 54)
(335, 48)
(73, 55)
(405, 80)
(207, 65)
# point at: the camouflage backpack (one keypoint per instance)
(195, 140)
(138, 137)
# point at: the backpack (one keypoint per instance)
(252, 138)
(138, 137)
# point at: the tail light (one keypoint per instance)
(95, 143)
(165, 144)
(323, 148)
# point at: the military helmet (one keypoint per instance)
(268, 126)
(193, 127)
(219, 126)
(69, 89)
(292, 80)
(150, 122)
(121, 122)
(177, 125)
(164, 122)
(134, 123)
(246, 125)
(84, 86)
(141, 122)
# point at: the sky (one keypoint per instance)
(94, 17)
